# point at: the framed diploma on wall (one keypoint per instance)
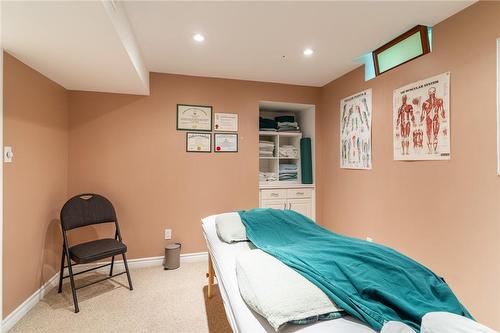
(225, 142)
(198, 142)
(226, 122)
(194, 117)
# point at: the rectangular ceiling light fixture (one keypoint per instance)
(412, 44)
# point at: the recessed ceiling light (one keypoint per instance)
(308, 51)
(199, 38)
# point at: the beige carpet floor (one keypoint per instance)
(162, 301)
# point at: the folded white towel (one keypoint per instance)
(277, 292)
(267, 176)
(288, 151)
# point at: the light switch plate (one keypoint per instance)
(8, 154)
(168, 233)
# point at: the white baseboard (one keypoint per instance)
(29, 303)
(53, 282)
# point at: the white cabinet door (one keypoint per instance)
(302, 206)
(276, 204)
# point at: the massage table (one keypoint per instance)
(222, 266)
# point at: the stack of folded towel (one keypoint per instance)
(267, 125)
(266, 148)
(288, 172)
(288, 151)
(287, 124)
(267, 176)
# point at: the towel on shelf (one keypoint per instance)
(287, 172)
(289, 124)
(286, 124)
(267, 124)
(267, 176)
(288, 151)
(266, 144)
(285, 119)
(266, 149)
(288, 167)
(287, 177)
(288, 127)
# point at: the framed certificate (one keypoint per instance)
(198, 142)
(226, 122)
(194, 117)
(225, 142)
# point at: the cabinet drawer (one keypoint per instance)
(299, 193)
(273, 194)
(276, 204)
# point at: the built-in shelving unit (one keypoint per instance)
(280, 139)
(287, 194)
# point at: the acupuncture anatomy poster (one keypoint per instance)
(355, 131)
(421, 120)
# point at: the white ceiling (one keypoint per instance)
(76, 44)
(88, 46)
(246, 40)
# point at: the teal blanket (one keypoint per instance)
(370, 281)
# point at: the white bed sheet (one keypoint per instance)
(241, 318)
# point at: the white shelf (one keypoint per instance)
(280, 183)
(299, 134)
(284, 184)
(280, 139)
(272, 164)
(266, 133)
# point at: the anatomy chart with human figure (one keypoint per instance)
(421, 120)
(355, 131)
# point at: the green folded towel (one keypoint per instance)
(285, 119)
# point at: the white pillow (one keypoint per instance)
(445, 322)
(276, 291)
(230, 228)
(396, 327)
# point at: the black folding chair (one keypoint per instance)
(84, 210)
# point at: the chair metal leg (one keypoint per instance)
(111, 269)
(72, 280)
(61, 274)
(128, 273)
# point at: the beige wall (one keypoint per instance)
(35, 183)
(127, 148)
(445, 214)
